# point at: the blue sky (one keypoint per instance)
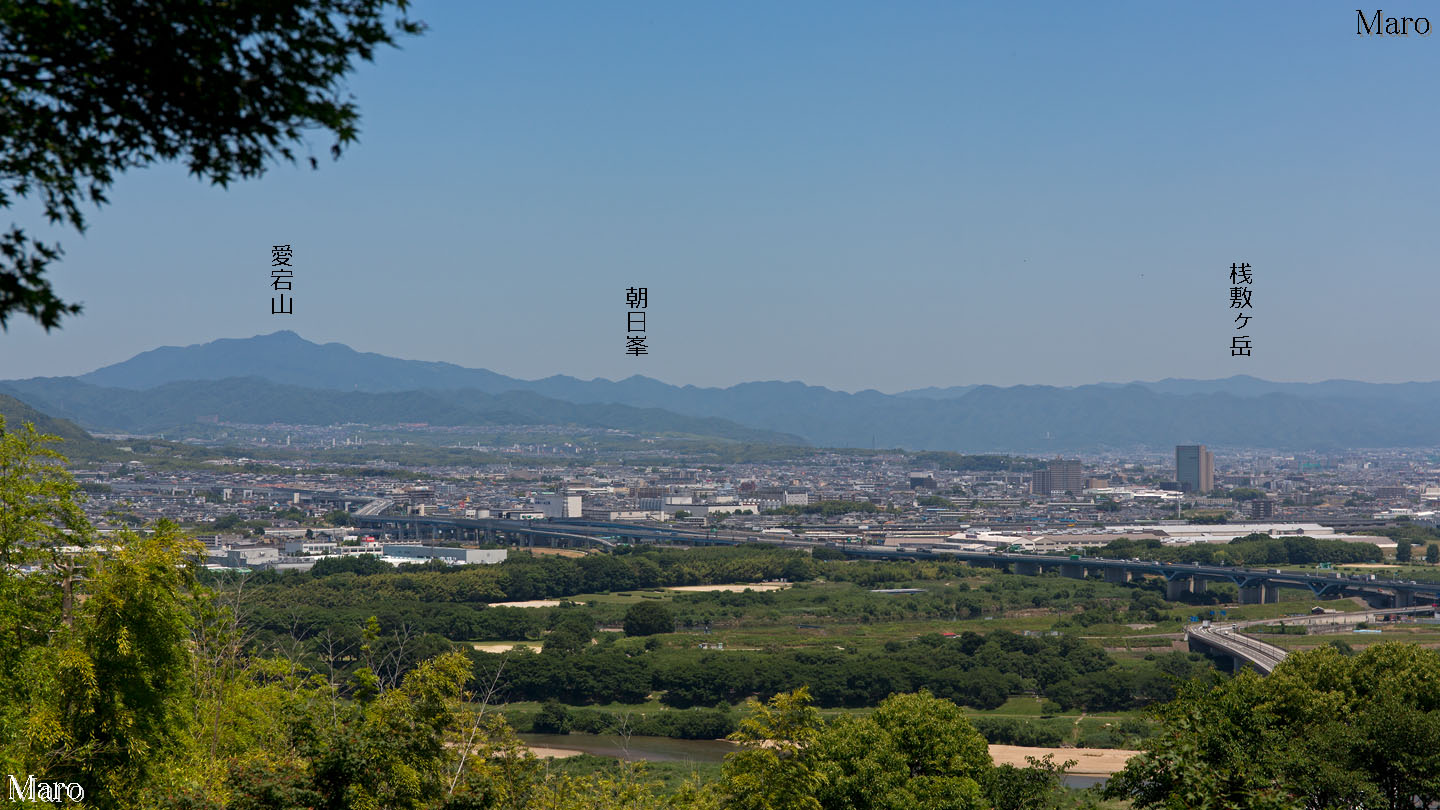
(856, 195)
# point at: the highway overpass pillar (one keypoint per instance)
(1198, 585)
(1252, 595)
(1178, 587)
(1119, 576)
(1029, 569)
(1272, 594)
(1404, 599)
(1072, 570)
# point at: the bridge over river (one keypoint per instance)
(1257, 585)
(560, 531)
(1227, 640)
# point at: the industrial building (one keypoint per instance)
(405, 553)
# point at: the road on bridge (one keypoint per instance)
(1226, 637)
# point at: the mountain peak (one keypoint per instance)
(973, 418)
(286, 357)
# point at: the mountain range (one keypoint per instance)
(171, 406)
(283, 377)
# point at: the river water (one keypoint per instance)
(666, 749)
(649, 749)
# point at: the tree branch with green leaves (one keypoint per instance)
(91, 90)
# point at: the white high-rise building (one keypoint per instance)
(559, 506)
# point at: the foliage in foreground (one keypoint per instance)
(914, 752)
(94, 89)
(1324, 730)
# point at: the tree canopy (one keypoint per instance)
(94, 89)
(647, 619)
(914, 752)
(1324, 730)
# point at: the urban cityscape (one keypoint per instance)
(1058, 504)
(1014, 408)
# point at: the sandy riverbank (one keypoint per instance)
(505, 646)
(1091, 761)
(545, 752)
(755, 586)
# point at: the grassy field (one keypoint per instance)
(621, 597)
(1132, 622)
(1424, 634)
(783, 630)
(1293, 601)
(847, 616)
(845, 632)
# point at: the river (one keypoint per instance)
(650, 749)
(667, 749)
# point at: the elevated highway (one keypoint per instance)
(1257, 585)
(557, 531)
(374, 507)
(1228, 640)
(1242, 649)
(446, 528)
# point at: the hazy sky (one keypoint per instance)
(857, 195)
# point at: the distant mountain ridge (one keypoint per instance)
(258, 401)
(1244, 385)
(285, 357)
(1235, 411)
(1240, 385)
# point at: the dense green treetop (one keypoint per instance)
(914, 752)
(1324, 730)
(647, 619)
(1251, 550)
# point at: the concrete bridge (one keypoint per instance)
(480, 530)
(1242, 649)
(1256, 585)
(555, 531)
(1227, 640)
(374, 507)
